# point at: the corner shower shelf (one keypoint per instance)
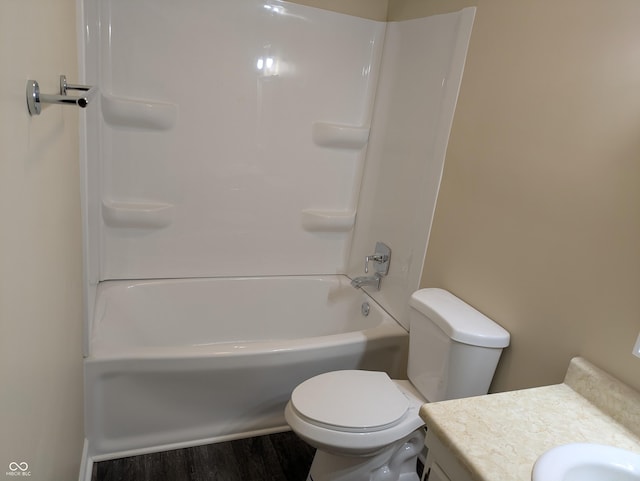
(140, 215)
(328, 220)
(326, 134)
(142, 114)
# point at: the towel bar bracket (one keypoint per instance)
(35, 99)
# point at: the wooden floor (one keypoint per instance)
(276, 457)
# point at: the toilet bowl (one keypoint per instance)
(370, 428)
(366, 426)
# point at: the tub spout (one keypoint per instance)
(364, 281)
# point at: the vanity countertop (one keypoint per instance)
(500, 436)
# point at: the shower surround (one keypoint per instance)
(233, 144)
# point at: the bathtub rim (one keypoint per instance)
(388, 328)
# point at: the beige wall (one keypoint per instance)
(373, 9)
(538, 218)
(40, 247)
(408, 9)
(392, 10)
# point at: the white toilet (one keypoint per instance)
(364, 425)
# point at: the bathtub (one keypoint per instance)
(175, 363)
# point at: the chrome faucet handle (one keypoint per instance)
(381, 257)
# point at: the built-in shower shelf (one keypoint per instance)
(328, 220)
(140, 215)
(326, 134)
(137, 113)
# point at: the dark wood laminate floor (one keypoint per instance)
(276, 457)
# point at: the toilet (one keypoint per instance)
(366, 426)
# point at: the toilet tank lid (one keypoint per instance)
(457, 319)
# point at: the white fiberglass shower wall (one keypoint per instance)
(417, 92)
(230, 137)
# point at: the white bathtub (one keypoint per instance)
(184, 362)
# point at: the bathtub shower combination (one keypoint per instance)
(229, 150)
(184, 360)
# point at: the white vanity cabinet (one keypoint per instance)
(442, 464)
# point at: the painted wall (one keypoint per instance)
(538, 218)
(408, 9)
(40, 247)
(372, 9)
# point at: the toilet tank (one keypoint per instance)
(453, 348)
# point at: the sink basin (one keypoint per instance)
(587, 462)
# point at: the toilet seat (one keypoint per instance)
(342, 436)
(350, 401)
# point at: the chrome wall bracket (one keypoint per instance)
(35, 99)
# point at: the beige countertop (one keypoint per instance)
(500, 436)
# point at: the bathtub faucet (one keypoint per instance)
(364, 281)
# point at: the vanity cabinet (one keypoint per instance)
(500, 436)
(442, 464)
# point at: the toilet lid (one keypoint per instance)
(351, 400)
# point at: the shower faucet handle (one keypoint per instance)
(374, 258)
(381, 257)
